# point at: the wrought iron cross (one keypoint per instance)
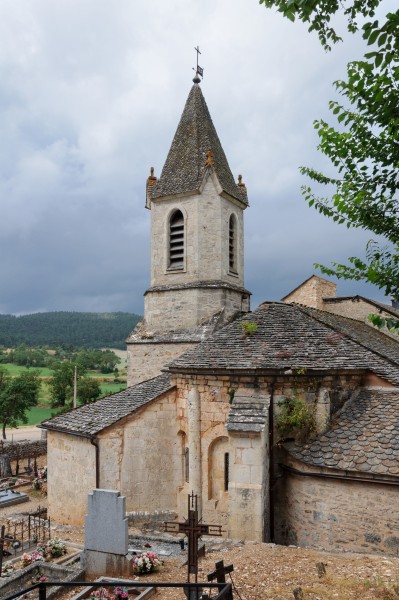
(199, 70)
(193, 529)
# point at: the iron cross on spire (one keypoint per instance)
(199, 71)
(193, 529)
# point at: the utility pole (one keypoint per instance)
(75, 385)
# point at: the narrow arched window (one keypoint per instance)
(186, 464)
(226, 471)
(176, 241)
(232, 244)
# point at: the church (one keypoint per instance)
(283, 420)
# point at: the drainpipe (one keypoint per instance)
(272, 480)
(94, 442)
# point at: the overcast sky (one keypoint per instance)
(91, 92)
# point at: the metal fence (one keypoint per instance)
(21, 534)
(193, 591)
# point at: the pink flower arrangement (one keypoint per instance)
(147, 562)
(119, 593)
(52, 549)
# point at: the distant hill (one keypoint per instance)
(78, 329)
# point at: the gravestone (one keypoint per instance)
(106, 535)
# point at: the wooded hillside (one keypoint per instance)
(78, 329)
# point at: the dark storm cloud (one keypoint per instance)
(90, 96)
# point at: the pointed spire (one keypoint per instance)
(196, 148)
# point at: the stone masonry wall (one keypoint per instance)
(187, 308)
(71, 464)
(206, 238)
(332, 514)
(140, 457)
(248, 452)
(147, 360)
(311, 292)
(357, 308)
(22, 450)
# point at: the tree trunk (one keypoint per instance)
(4, 431)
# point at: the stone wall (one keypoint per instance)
(311, 292)
(335, 514)
(140, 457)
(185, 309)
(147, 360)
(357, 308)
(71, 464)
(206, 238)
(248, 453)
(23, 450)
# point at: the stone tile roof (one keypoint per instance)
(184, 168)
(93, 418)
(363, 438)
(248, 413)
(294, 337)
(370, 338)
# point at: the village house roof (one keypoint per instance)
(184, 168)
(294, 337)
(381, 306)
(92, 418)
(363, 438)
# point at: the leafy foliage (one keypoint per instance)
(319, 12)
(295, 415)
(88, 390)
(249, 327)
(75, 329)
(364, 147)
(61, 384)
(17, 396)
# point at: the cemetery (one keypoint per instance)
(115, 562)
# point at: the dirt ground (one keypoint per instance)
(266, 571)
(263, 571)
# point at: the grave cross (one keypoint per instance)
(193, 529)
(220, 572)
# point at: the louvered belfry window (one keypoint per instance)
(232, 244)
(176, 241)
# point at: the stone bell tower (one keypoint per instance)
(197, 246)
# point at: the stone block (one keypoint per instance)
(252, 456)
(102, 563)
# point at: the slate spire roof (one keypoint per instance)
(184, 168)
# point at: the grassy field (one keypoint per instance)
(15, 370)
(43, 411)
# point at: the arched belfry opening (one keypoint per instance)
(233, 244)
(176, 241)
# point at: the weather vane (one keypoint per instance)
(199, 71)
